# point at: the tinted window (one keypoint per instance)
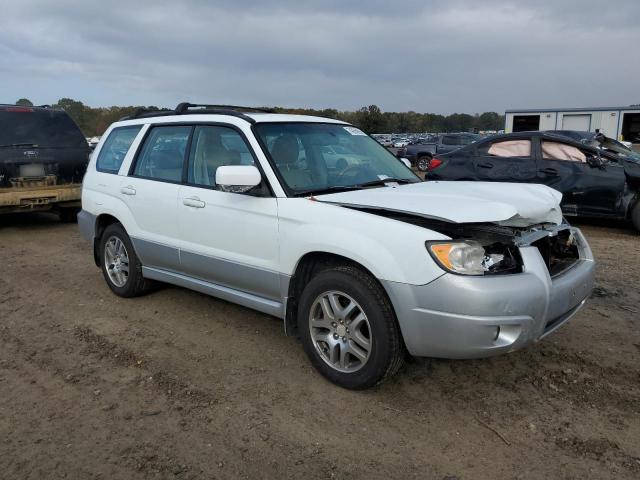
(40, 127)
(213, 147)
(162, 155)
(115, 148)
(506, 148)
(450, 140)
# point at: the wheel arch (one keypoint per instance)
(102, 222)
(309, 265)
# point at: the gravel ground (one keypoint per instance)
(179, 385)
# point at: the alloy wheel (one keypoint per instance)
(340, 331)
(116, 260)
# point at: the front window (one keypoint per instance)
(319, 157)
(562, 151)
(213, 147)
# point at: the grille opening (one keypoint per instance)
(559, 252)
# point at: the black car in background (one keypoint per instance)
(43, 158)
(594, 181)
(421, 152)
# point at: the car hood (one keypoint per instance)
(509, 204)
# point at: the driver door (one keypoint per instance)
(230, 239)
(589, 187)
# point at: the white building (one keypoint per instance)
(622, 123)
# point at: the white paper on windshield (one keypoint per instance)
(354, 131)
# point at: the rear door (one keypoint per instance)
(505, 160)
(586, 188)
(151, 194)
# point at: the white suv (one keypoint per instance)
(363, 261)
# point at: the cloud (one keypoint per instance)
(438, 56)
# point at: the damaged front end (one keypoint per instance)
(491, 249)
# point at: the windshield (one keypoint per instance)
(316, 157)
(24, 126)
(620, 148)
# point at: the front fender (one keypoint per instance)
(389, 249)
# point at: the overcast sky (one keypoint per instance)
(429, 56)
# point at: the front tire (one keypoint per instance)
(423, 163)
(120, 265)
(348, 328)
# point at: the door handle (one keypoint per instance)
(485, 165)
(549, 171)
(128, 190)
(194, 202)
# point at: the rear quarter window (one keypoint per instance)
(115, 148)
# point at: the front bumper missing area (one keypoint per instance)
(458, 316)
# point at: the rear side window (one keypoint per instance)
(39, 127)
(162, 154)
(507, 149)
(450, 140)
(115, 148)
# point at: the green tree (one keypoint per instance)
(24, 102)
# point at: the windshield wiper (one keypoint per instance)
(384, 181)
(20, 145)
(358, 186)
(332, 189)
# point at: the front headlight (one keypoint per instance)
(462, 257)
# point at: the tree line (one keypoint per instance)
(94, 121)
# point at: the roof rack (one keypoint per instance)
(186, 108)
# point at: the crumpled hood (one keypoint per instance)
(510, 204)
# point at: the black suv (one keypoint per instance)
(43, 157)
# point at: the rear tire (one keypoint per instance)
(423, 163)
(327, 338)
(120, 265)
(635, 216)
(68, 214)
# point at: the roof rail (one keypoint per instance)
(186, 108)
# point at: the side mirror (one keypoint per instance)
(237, 178)
(406, 162)
(596, 161)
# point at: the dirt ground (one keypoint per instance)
(178, 385)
